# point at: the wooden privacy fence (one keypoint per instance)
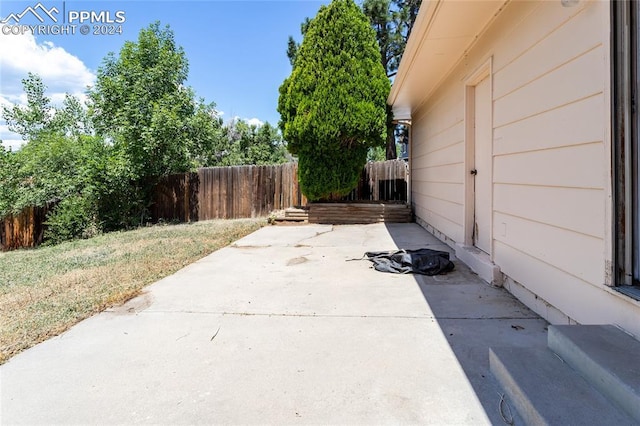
(382, 181)
(253, 191)
(25, 229)
(227, 193)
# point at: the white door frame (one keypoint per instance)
(483, 71)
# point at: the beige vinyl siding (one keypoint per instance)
(549, 163)
(545, 41)
(578, 79)
(437, 166)
(523, 201)
(577, 166)
(582, 302)
(550, 112)
(552, 129)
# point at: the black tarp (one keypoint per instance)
(421, 261)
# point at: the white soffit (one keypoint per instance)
(443, 32)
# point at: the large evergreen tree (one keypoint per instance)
(392, 21)
(333, 104)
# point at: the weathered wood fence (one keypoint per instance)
(382, 181)
(227, 193)
(253, 191)
(25, 229)
(224, 193)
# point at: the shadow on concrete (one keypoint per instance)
(473, 316)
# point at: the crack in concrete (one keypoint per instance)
(318, 233)
(300, 243)
(248, 246)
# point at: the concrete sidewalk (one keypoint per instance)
(280, 328)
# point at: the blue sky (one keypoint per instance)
(236, 49)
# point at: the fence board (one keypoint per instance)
(174, 198)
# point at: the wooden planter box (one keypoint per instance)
(359, 213)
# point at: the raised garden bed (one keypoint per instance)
(360, 212)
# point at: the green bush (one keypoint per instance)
(87, 180)
(74, 217)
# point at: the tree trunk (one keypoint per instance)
(392, 154)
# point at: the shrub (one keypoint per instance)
(74, 217)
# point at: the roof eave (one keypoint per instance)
(444, 31)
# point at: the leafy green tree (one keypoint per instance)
(268, 146)
(72, 119)
(332, 106)
(29, 120)
(251, 144)
(65, 166)
(48, 170)
(52, 165)
(141, 104)
(56, 170)
(207, 135)
(376, 154)
(8, 181)
(39, 115)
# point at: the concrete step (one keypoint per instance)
(293, 215)
(606, 357)
(546, 391)
(290, 219)
(296, 213)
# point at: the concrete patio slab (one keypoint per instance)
(281, 328)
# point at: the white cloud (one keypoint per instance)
(250, 121)
(12, 144)
(11, 99)
(13, 141)
(60, 71)
(4, 101)
(255, 122)
(9, 139)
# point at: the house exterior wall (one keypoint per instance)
(551, 185)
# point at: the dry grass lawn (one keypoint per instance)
(45, 291)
